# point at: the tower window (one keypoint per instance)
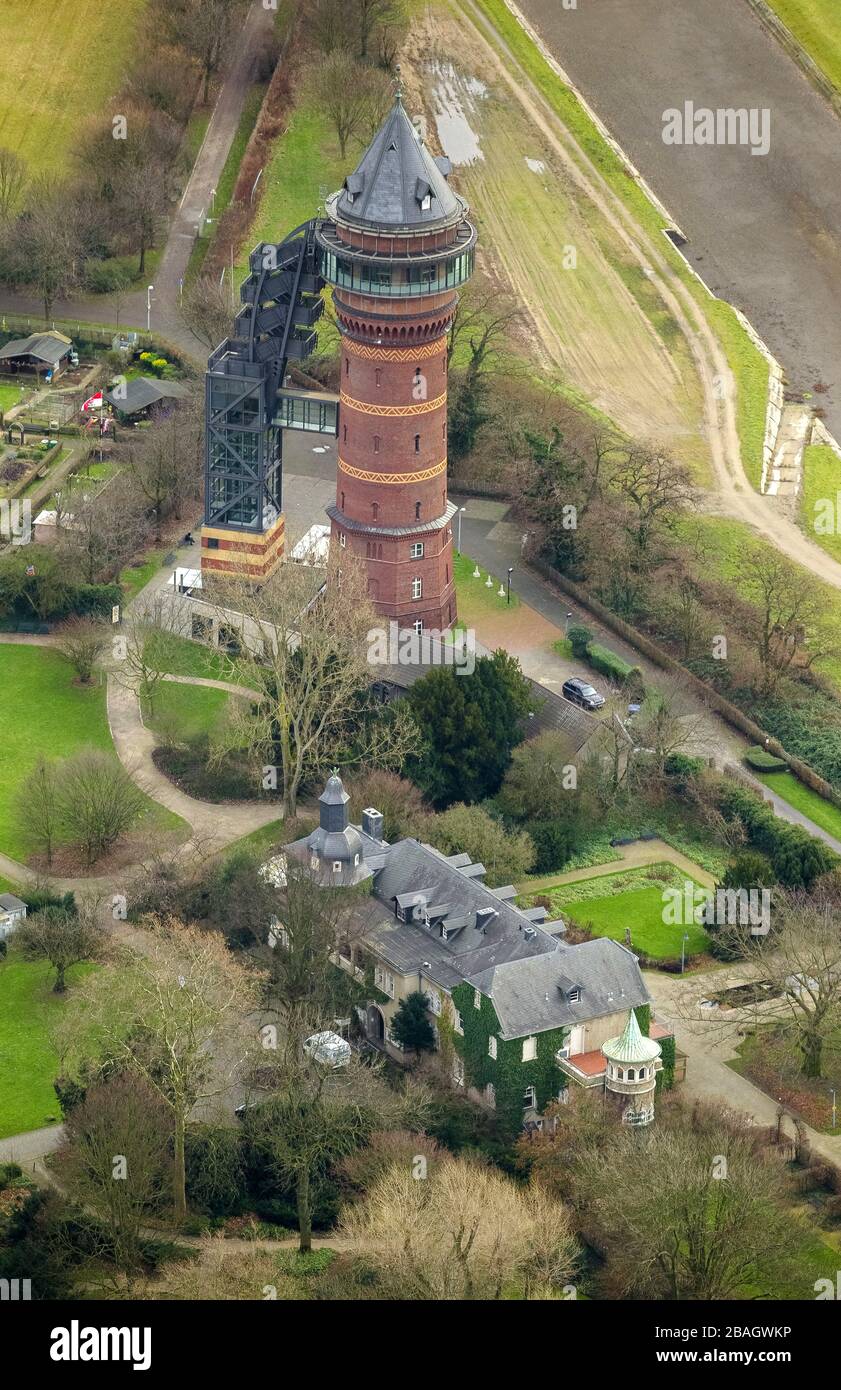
(378, 375)
(417, 511)
(342, 539)
(417, 550)
(417, 588)
(426, 203)
(343, 501)
(417, 443)
(375, 508)
(344, 434)
(347, 366)
(376, 443)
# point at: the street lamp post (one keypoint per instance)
(458, 543)
(566, 623)
(149, 289)
(510, 572)
(212, 200)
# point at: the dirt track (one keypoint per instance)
(734, 497)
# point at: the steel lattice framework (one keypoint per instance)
(245, 376)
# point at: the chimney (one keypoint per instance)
(372, 823)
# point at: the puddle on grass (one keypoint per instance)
(455, 96)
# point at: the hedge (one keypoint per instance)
(728, 711)
(763, 761)
(611, 665)
(796, 856)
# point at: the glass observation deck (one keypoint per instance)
(313, 411)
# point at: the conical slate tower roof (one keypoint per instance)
(631, 1046)
(398, 183)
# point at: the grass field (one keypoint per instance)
(816, 24)
(610, 903)
(822, 485)
(28, 1063)
(41, 709)
(61, 62)
(188, 710)
(474, 598)
(9, 396)
(803, 799)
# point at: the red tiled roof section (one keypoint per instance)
(589, 1063)
(656, 1030)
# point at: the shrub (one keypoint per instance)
(763, 761)
(554, 843)
(579, 639)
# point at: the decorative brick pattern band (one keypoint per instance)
(372, 476)
(377, 354)
(419, 408)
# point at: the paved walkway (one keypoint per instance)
(207, 170)
(636, 856)
(709, 1046)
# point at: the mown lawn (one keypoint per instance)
(803, 799)
(28, 1064)
(188, 710)
(816, 24)
(62, 60)
(9, 396)
(42, 710)
(474, 598)
(610, 903)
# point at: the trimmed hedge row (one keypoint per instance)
(763, 761)
(796, 856)
(728, 711)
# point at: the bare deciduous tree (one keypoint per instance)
(38, 806)
(82, 641)
(206, 310)
(115, 1162)
(313, 677)
(788, 610)
(175, 1015)
(353, 96)
(465, 1232)
(63, 937)
(12, 183)
(98, 801)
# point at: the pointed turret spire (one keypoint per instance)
(398, 184)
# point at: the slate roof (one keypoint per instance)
(527, 999)
(47, 347)
(9, 903)
(394, 175)
(141, 392)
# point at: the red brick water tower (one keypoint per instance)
(395, 245)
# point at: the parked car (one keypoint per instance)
(581, 692)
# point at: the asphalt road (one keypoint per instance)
(764, 231)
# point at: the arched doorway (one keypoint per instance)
(376, 1024)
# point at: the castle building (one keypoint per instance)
(395, 245)
(523, 1012)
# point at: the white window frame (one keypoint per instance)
(492, 1048)
(458, 1071)
(417, 550)
(529, 1049)
(426, 202)
(384, 980)
(417, 587)
(433, 999)
(418, 626)
(342, 539)
(458, 1024)
(337, 866)
(477, 999)
(530, 1098)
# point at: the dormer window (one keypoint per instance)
(574, 996)
(337, 866)
(356, 861)
(426, 203)
(350, 196)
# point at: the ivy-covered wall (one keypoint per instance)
(507, 1073)
(643, 1013)
(666, 1076)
